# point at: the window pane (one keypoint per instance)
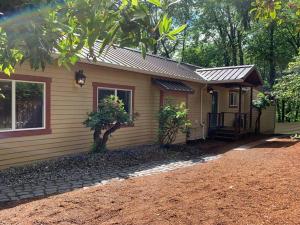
(103, 93)
(125, 96)
(5, 105)
(29, 105)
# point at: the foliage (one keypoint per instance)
(204, 55)
(270, 10)
(261, 102)
(63, 28)
(110, 117)
(172, 119)
(287, 92)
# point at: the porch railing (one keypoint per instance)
(236, 121)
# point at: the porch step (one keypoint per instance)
(225, 134)
(223, 137)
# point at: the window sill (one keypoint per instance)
(24, 133)
(233, 106)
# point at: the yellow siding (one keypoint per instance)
(268, 119)
(176, 99)
(70, 105)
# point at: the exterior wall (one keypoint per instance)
(268, 120)
(69, 107)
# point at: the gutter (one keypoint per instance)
(201, 112)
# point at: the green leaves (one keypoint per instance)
(172, 119)
(165, 28)
(64, 29)
(261, 102)
(155, 2)
(165, 25)
(111, 115)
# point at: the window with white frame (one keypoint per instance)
(233, 99)
(123, 94)
(22, 105)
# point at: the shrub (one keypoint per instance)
(110, 117)
(172, 119)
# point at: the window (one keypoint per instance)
(124, 93)
(233, 99)
(23, 105)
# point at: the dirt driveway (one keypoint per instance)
(257, 186)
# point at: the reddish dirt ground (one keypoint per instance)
(257, 186)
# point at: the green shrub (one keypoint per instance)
(172, 119)
(110, 117)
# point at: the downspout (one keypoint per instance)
(201, 112)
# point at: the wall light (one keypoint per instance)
(80, 78)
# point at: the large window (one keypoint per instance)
(22, 106)
(233, 99)
(123, 94)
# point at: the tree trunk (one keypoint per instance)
(100, 142)
(183, 45)
(257, 122)
(282, 111)
(241, 52)
(289, 109)
(272, 61)
(232, 37)
(297, 113)
(278, 112)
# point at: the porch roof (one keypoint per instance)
(173, 85)
(246, 75)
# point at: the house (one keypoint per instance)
(43, 112)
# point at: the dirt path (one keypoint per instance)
(257, 186)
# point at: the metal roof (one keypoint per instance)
(231, 74)
(171, 85)
(130, 59)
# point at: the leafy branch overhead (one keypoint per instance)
(63, 28)
(276, 9)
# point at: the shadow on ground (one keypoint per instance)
(278, 143)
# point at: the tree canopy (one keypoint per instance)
(35, 31)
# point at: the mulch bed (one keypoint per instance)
(74, 166)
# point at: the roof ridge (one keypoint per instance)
(225, 67)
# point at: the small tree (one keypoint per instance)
(172, 119)
(262, 102)
(111, 115)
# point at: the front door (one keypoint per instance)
(214, 109)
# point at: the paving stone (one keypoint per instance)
(50, 185)
(26, 196)
(14, 199)
(4, 199)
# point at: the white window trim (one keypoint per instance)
(116, 91)
(236, 97)
(13, 96)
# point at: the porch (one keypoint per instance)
(231, 115)
(229, 125)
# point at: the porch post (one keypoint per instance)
(251, 108)
(240, 108)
